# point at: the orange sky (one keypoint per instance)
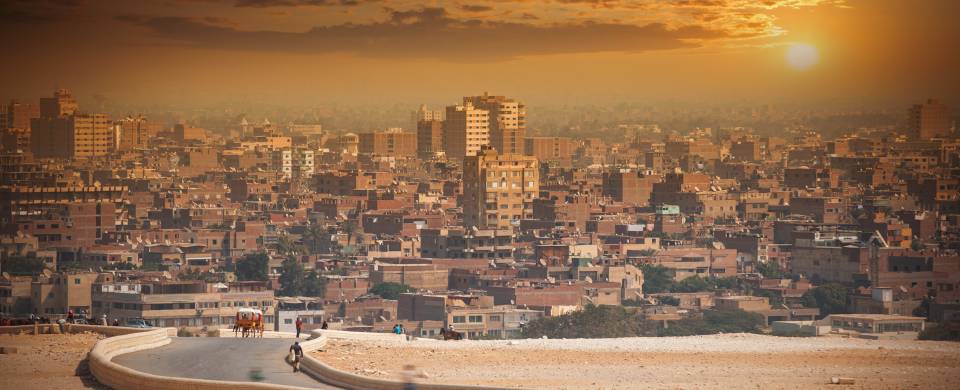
(545, 52)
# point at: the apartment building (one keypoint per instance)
(393, 142)
(466, 130)
(507, 119)
(499, 189)
(429, 137)
(181, 303)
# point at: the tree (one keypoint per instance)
(20, 265)
(291, 278)
(770, 269)
(727, 283)
(314, 235)
(255, 266)
(691, 284)
(830, 298)
(390, 290)
(314, 285)
(656, 278)
(287, 246)
(349, 227)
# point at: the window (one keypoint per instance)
(476, 319)
(288, 321)
(495, 318)
(76, 281)
(459, 319)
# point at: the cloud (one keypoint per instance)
(37, 11)
(433, 33)
(292, 3)
(476, 8)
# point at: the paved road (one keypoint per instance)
(214, 358)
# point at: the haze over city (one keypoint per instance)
(486, 194)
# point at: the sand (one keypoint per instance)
(47, 361)
(699, 362)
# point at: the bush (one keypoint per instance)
(591, 322)
(830, 298)
(390, 290)
(716, 321)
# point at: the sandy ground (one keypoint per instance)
(700, 362)
(47, 361)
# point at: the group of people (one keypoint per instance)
(398, 329)
(299, 325)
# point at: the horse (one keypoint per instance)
(451, 334)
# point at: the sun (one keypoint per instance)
(802, 56)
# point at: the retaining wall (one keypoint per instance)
(347, 380)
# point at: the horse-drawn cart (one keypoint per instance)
(249, 322)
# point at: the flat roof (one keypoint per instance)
(877, 317)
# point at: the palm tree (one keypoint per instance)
(313, 235)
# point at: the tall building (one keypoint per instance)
(393, 142)
(466, 129)
(74, 136)
(929, 120)
(425, 114)
(498, 189)
(62, 131)
(61, 104)
(429, 137)
(508, 121)
(15, 125)
(135, 132)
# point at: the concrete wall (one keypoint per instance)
(346, 380)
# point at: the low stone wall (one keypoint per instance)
(108, 331)
(327, 374)
(345, 335)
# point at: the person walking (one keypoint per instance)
(299, 325)
(409, 376)
(296, 353)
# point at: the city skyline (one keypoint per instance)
(565, 52)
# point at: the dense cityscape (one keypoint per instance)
(483, 237)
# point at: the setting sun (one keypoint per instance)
(802, 56)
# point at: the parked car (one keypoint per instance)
(138, 323)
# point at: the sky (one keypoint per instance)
(303, 52)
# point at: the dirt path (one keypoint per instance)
(47, 361)
(713, 362)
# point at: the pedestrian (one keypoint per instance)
(296, 353)
(70, 315)
(402, 331)
(324, 325)
(409, 375)
(299, 325)
(116, 322)
(103, 320)
(33, 318)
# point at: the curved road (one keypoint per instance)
(228, 359)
